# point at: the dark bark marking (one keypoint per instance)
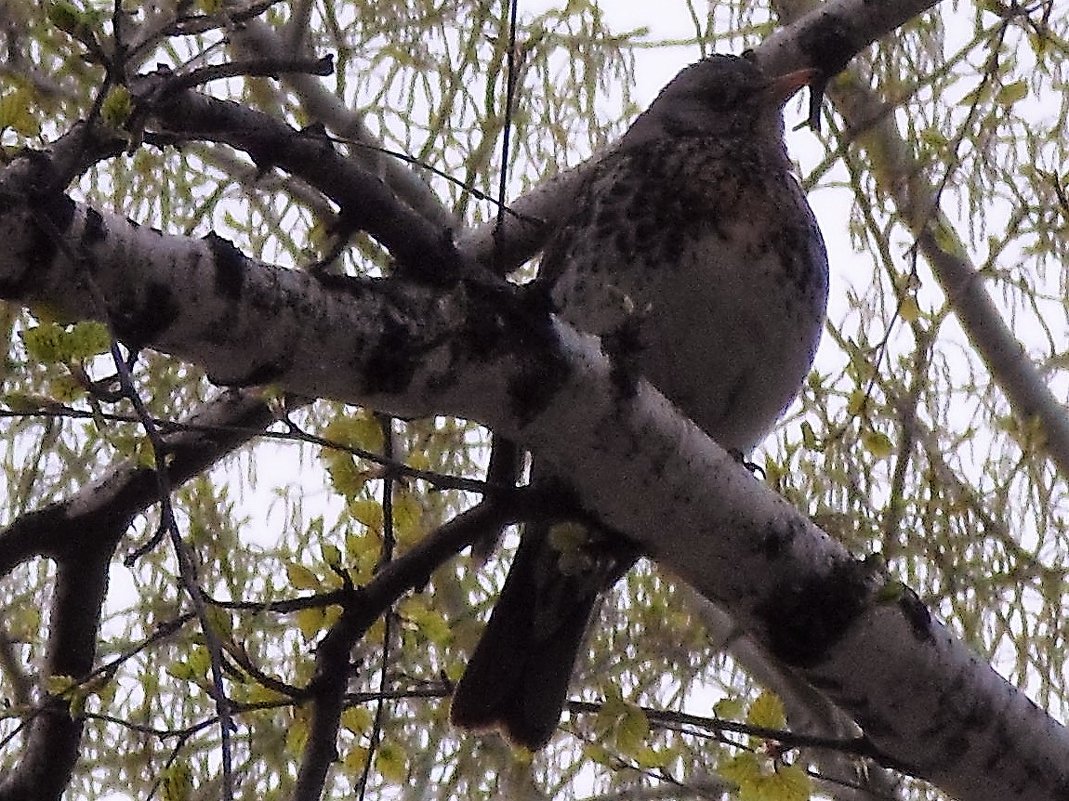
(777, 541)
(392, 363)
(41, 248)
(229, 266)
(831, 45)
(920, 619)
(94, 231)
(258, 376)
(805, 620)
(138, 326)
(541, 371)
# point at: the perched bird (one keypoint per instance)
(692, 248)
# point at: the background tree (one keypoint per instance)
(201, 646)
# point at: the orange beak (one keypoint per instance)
(782, 88)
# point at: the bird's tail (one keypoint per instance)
(516, 682)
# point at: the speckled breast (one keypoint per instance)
(713, 266)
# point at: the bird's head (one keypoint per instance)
(720, 96)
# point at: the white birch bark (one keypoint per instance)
(922, 697)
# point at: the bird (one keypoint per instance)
(691, 249)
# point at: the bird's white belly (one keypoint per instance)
(729, 341)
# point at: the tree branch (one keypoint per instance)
(486, 355)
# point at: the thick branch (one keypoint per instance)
(51, 748)
(643, 470)
(828, 35)
(365, 201)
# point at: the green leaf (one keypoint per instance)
(743, 769)
(612, 709)
(729, 708)
(565, 537)
(878, 444)
(425, 619)
(355, 760)
(310, 622)
(787, 783)
(145, 454)
(16, 112)
(1039, 42)
(909, 310)
(315, 619)
(346, 476)
(855, 404)
(946, 238)
(75, 22)
(767, 712)
(46, 343)
(361, 430)
(647, 757)
(181, 670)
(200, 661)
(407, 517)
(759, 778)
(63, 15)
(890, 593)
(598, 754)
(392, 763)
(331, 555)
(220, 621)
(296, 735)
(87, 339)
(632, 730)
(28, 401)
(52, 343)
(60, 685)
(177, 782)
(362, 548)
(368, 512)
(1011, 93)
(934, 138)
(301, 578)
(117, 107)
(357, 719)
(259, 694)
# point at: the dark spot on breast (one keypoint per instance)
(646, 228)
(624, 242)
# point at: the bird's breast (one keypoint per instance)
(723, 299)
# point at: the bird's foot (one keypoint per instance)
(753, 467)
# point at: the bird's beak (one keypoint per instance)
(781, 89)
